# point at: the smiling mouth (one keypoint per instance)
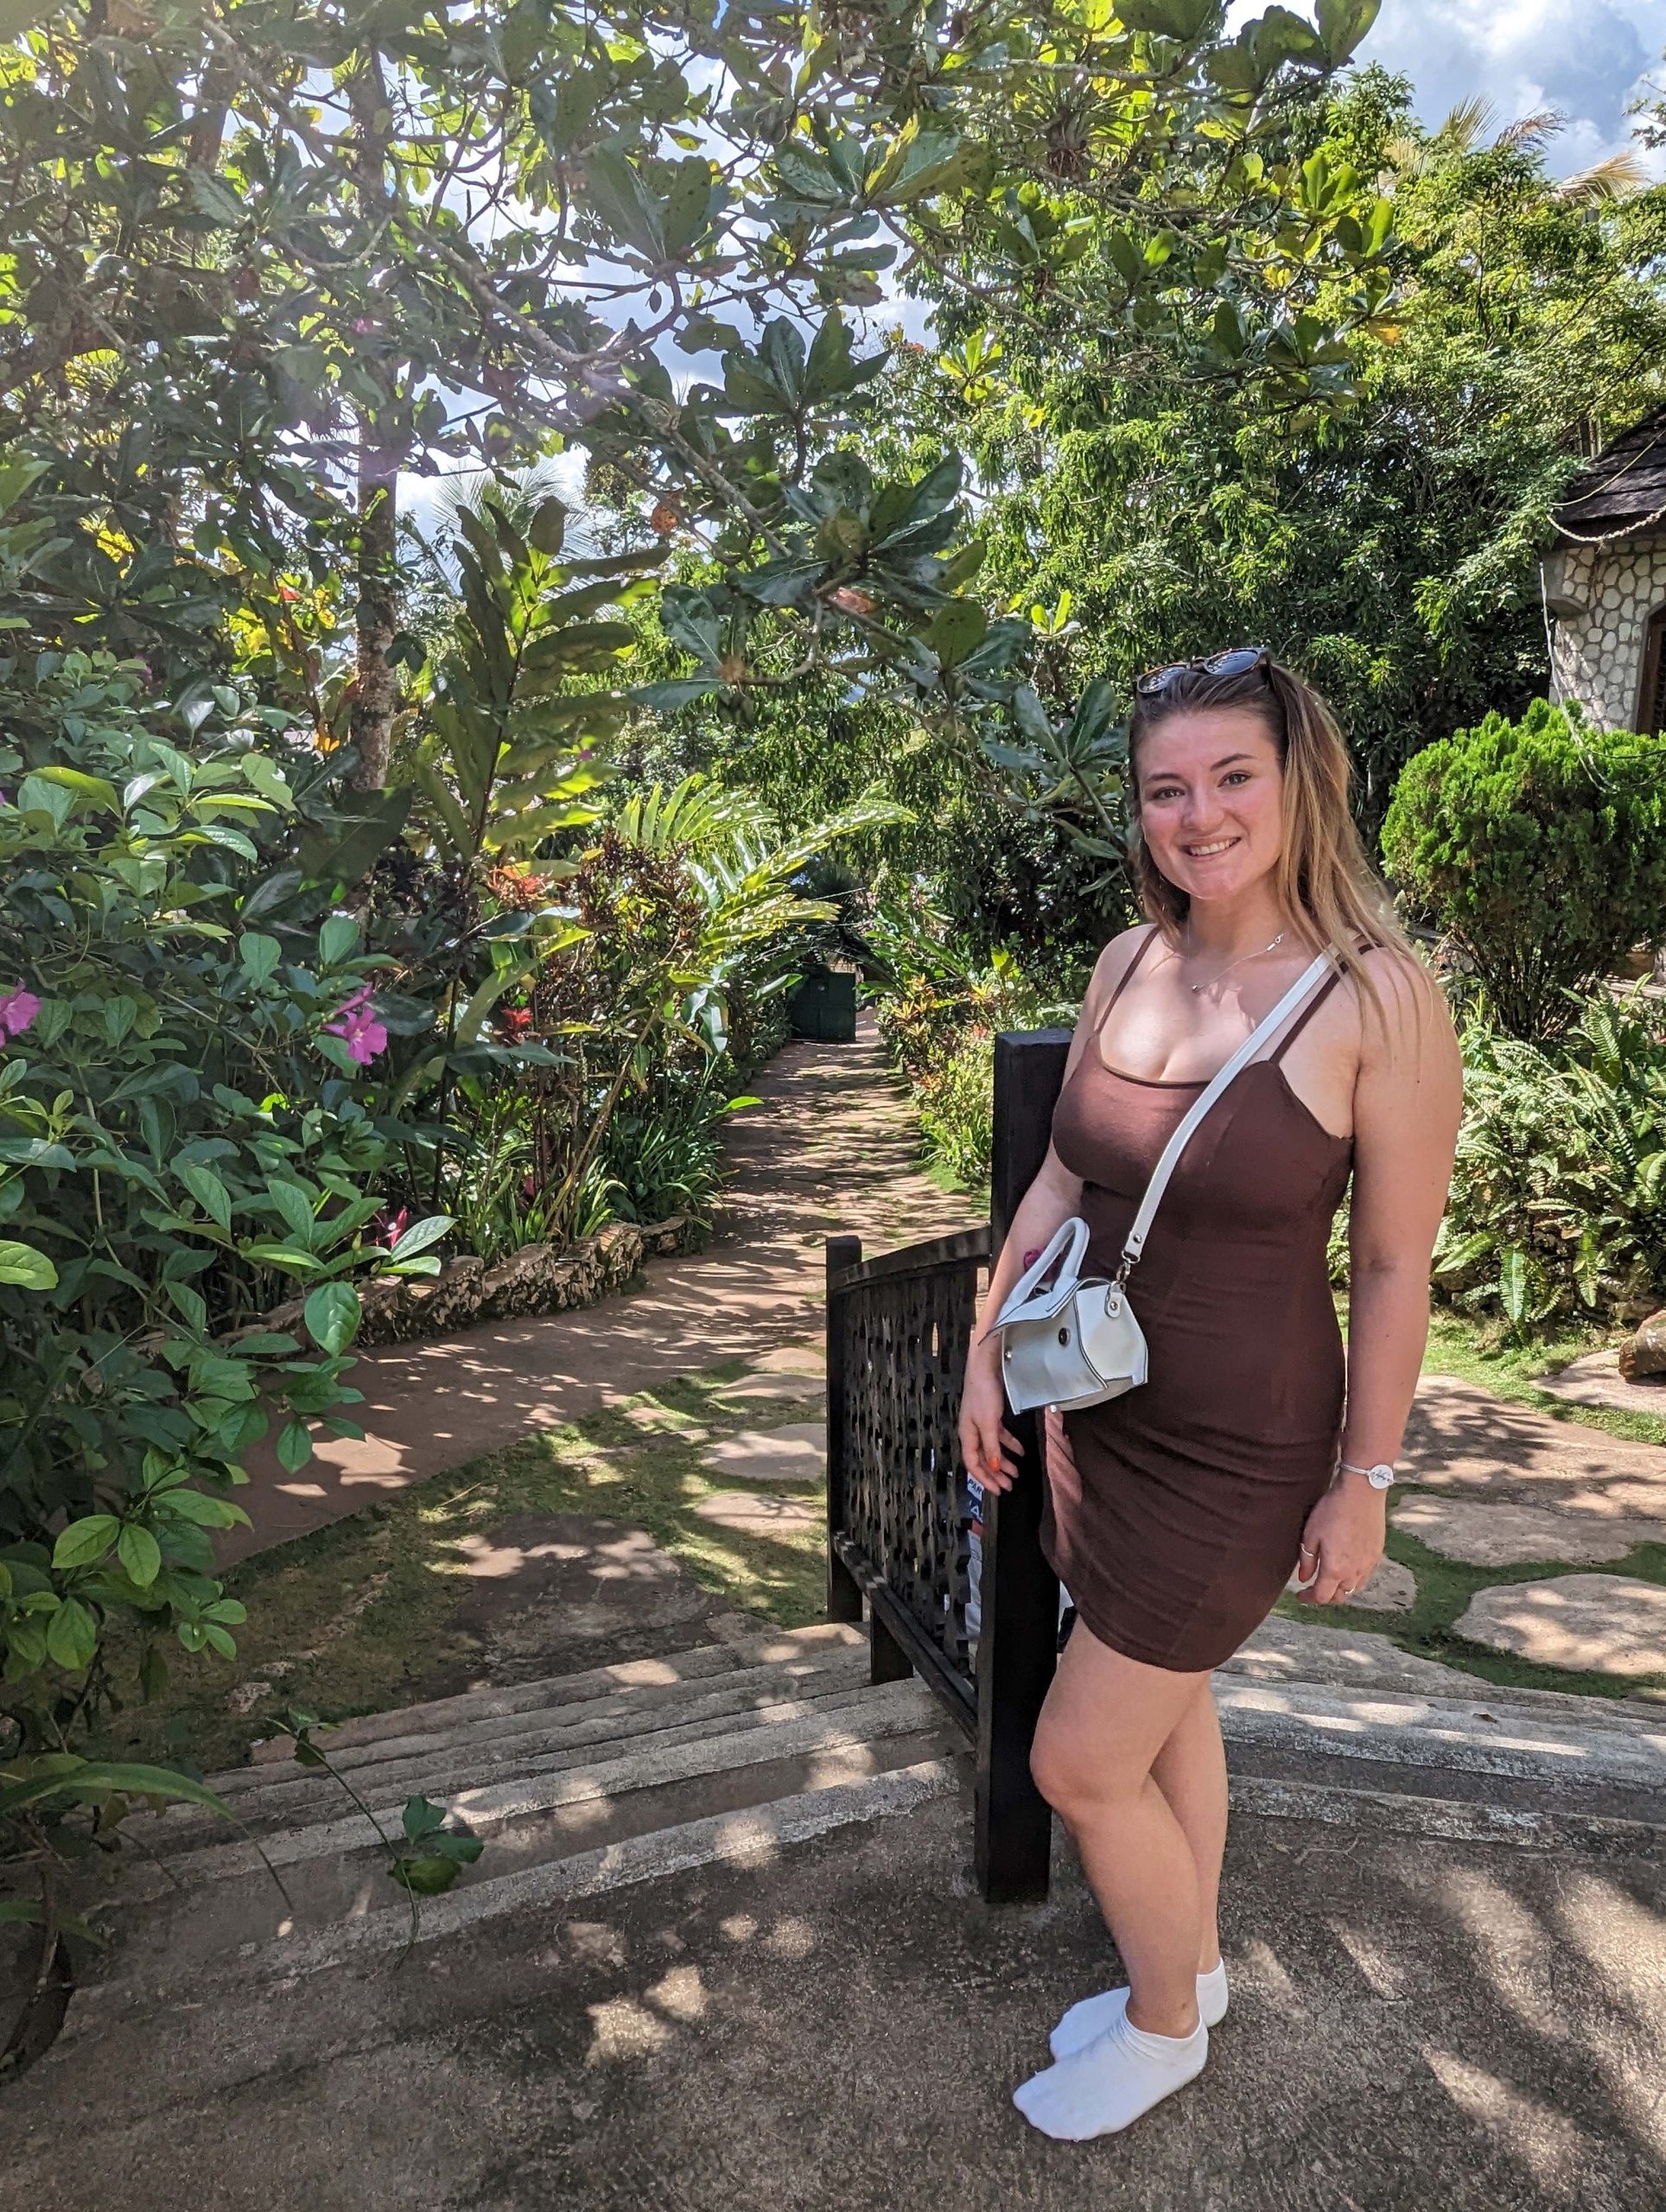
(1208, 852)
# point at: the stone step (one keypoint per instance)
(220, 1897)
(752, 1834)
(448, 1763)
(772, 1648)
(1464, 1748)
(1288, 1651)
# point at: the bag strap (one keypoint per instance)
(1169, 1158)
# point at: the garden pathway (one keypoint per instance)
(1539, 1541)
(831, 1148)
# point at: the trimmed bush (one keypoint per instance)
(1540, 847)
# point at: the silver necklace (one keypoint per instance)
(1231, 964)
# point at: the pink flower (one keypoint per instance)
(388, 1229)
(18, 1008)
(364, 1034)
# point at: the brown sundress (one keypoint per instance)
(1173, 1518)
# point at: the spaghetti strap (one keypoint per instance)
(1145, 943)
(1316, 1000)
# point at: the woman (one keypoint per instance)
(1253, 1454)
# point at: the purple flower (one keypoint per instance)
(366, 1036)
(18, 1008)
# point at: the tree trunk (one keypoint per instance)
(381, 448)
(376, 688)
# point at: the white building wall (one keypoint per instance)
(1601, 597)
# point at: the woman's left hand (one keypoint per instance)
(1343, 1535)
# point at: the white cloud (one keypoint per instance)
(1585, 58)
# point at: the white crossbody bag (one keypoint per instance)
(1079, 1341)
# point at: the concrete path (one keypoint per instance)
(832, 1148)
(837, 2024)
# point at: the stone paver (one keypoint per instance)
(785, 1383)
(1602, 1623)
(1462, 1438)
(1392, 1589)
(795, 1453)
(809, 1357)
(756, 1513)
(1596, 1381)
(1497, 1532)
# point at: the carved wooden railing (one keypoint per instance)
(903, 1522)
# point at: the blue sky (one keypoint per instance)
(1585, 58)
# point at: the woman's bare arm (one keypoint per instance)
(1407, 1100)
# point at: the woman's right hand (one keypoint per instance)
(988, 1446)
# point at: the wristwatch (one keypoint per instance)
(1381, 1477)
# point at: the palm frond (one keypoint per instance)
(1616, 177)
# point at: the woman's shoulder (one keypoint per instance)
(1399, 1004)
(1116, 957)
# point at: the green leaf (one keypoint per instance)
(338, 938)
(957, 631)
(421, 1234)
(72, 1635)
(1181, 19)
(204, 1512)
(140, 1554)
(332, 1315)
(86, 792)
(259, 954)
(420, 1818)
(425, 1878)
(22, 1265)
(1343, 24)
(86, 1539)
(681, 691)
(205, 1187)
(293, 1446)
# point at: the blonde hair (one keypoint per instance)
(1325, 883)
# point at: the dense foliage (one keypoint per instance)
(1540, 847)
(1386, 544)
(1558, 1205)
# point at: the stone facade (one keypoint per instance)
(1601, 597)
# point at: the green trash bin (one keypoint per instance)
(824, 1005)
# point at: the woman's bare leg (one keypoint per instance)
(1106, 1720)
(1191, 1771)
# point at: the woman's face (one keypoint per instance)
(1211, 791)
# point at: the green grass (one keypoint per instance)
(1456, 1347)
(362, 1616)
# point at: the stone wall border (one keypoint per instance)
(537, 1280)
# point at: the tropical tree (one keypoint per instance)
(276, 252)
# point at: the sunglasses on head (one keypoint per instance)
(1236, 660)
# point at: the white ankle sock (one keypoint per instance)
(1095, 2014)
(1109, 2082)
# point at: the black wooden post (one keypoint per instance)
(844, 1591)
(1019, 1592)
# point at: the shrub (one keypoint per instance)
(1540, 847)
(183, 1143)
(1557, 1210)
(956, 1113)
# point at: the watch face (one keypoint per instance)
(1381, 1477)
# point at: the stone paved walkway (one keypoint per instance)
(831, 1148)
